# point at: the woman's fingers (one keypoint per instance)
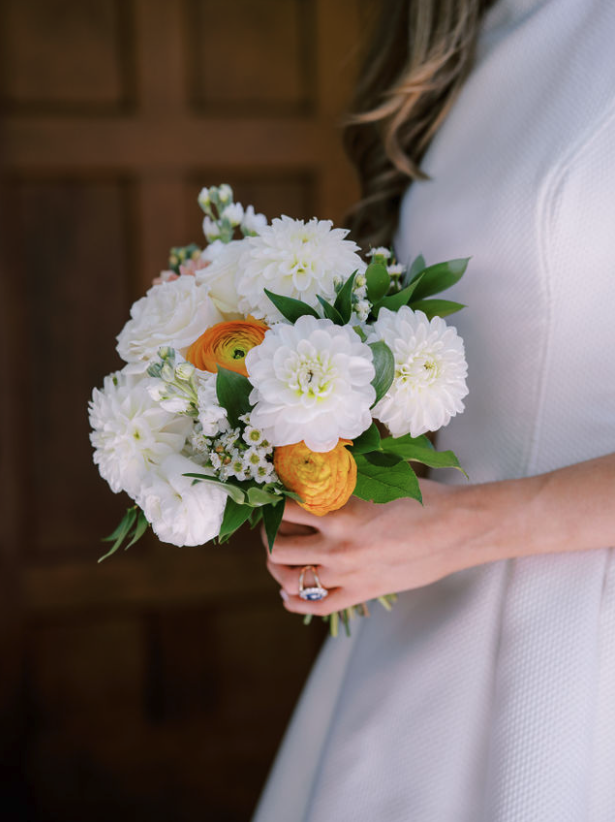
(288, 577)
(308, 549)
(338, 599)
(295, 513)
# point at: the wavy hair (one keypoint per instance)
(412, 72)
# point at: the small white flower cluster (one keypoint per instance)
(360, 304)
(243, 454)
(223, 216)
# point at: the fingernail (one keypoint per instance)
(283, 594)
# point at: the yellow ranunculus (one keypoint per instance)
(324, 480)
(226, 344)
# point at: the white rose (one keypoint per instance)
(131, 432)
(173, 314)
(179, 512)
(219, 278)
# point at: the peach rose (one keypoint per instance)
(324, 480)
(226, 344)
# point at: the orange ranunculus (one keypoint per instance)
(324, 481)
(226, 344)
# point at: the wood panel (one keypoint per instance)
(274, 38)
(155, 686)
(66, 55)
(76, 281)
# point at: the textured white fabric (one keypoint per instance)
(490, 695)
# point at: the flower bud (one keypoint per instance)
(225, 193)
(184, 371)
(204, 199)
(167, 372)
(165, 352)
(211, 229)
(175, 405)
(233, 213)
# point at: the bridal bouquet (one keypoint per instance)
(257, 370)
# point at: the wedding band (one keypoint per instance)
(313, 592)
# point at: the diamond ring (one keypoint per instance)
(313, 592)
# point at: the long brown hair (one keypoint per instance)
(413, 70)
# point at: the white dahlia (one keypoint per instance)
(219, 277)
(173, 314)
(312, 382)
(295, 259)
(430, 372)
(131, 432)
(179, 512)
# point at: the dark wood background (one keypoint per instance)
(155, 686)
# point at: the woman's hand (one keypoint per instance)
(364, 550)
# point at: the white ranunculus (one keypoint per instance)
(219, 277)
(179, 512)
(131, 432)
(173, 314)
(312, 382)
(430, 372)
(295, 259)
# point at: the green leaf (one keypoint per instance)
(234, 491)
(233, 392)
(121, 532)
(368, 441)
(330, 312)
(382, 458)
(440, 276)
(384, 363)
(413, 449)
(384, 483)
(291, 494)
(395, 301)
(272, 517)
(418, 266)
(378, 281)
(234, 517)
(140, 528)
(436, 308)
(258, 496)
(290, 308)
(359, 331)
(343, 301)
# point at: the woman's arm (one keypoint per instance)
(366, 550)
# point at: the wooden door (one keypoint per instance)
(156, 685)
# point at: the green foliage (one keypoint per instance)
(343, 301)
(132, 526)
(384, 363)
(416, 450)
(395, 301)
(384, 483)
(234, 491)
(439, 277)
(290, 308)
(368, 441)
(418, 266)
(378, 281)
(260, 496)
(233, 392)
(330, 312)
(234, 517)
(436, 308)
(272, 517)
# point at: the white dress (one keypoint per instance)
(490, 696)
